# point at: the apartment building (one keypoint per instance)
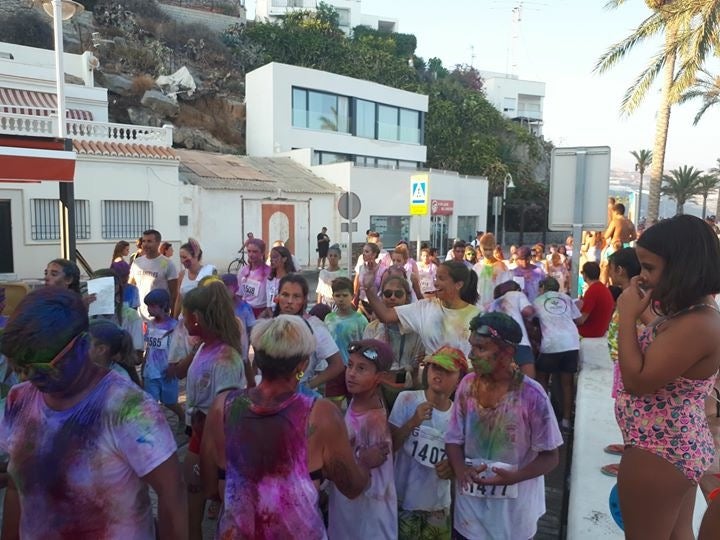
(517, 99)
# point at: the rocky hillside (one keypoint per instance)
(157, 69)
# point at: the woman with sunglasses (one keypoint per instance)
(408, 349)
(90, 428)
(439, 321)
(274, 494)
(502, 438)
(325, 363)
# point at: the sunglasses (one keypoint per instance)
(489, 331)
(370, 354)
(29, 370)
(398, 293)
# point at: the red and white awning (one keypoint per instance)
(29, 102)
(35, 159)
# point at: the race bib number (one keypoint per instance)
(158, 340)
(426, 445)
(427, 284)
(491, 492)
(251, 287)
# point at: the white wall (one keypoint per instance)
(386, 192)
(497, 88)
(96, 179)
(220, 219)
(269, 113)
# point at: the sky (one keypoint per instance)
(559, 44)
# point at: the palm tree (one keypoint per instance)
(706, 87)
(681, 185)
(706, 184)
(690, 29)
(643, 158)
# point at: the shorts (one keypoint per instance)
(165, 390)
(561, 362)
(524, 355)
(423, 525)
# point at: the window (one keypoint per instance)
(392, 229)
(409, 126)
(386, 163)
(387, 123)
(45, 219)
(343, 17)
(365, 119)
(466, 228)
(326, 158)
(126, 219)
(321, 111)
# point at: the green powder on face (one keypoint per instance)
(482, 366)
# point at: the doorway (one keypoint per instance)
(439, 233)
(6, 247)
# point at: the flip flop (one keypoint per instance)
(610, 470)
(615, 449)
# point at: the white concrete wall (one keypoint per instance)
(215, 21)
(96, 179)
(269, 113)
(386, 192)
(220, 219)
(497, 88)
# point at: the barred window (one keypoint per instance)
(126, 219)
(45, 219)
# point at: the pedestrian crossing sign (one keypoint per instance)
(418, 194)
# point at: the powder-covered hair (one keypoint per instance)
(280, 344)
(342, 284)
(71, 271)
(402, 250)
(336, 248)
(210, 301)
(192, 246)
(119, 344)
(42, 324)
(374, 248)
(459, 272)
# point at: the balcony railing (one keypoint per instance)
(46, 126)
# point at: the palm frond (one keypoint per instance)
(650, 27)
(636, 93)
(703, 109)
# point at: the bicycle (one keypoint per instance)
(237, 263)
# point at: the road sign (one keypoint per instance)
(419, 194)
(581, 173)
(440, 207)
(349, 205)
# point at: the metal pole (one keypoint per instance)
(350, 235)
(578, 219)
(59, 68)
(495, 211)
(502, 241)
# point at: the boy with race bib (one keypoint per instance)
(503, 437)
(158, 333)
(418, 422)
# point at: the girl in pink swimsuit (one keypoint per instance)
(666, 375)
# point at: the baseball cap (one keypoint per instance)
(374, 350)
(158, 297)
(497, 325)
(524, 252)
(449, 358)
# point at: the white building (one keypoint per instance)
(349, 12)
(517, 99)
(125, 179)
(340, 118)
(225, 197)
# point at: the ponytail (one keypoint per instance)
(461, 273)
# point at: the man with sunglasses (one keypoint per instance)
(83, 442)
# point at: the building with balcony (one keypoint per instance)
(349, 13)
(517, 99)
(340, 118)
(125, 177)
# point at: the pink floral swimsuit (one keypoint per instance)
(670, 422)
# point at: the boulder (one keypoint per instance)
(160, 103)
(198, 139)
(117, 84)
(142, 116)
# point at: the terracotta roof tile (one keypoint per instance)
(130, 150)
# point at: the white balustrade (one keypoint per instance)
(89, 130)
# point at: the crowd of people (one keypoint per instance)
(412, 402)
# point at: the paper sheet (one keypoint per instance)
(104, 291)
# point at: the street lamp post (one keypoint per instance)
(62, 10)
(507, 183)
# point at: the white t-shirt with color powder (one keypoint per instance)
(81, 476)
(557, 312)
(512, 433)
(151, 274)
(437, 325)
(512, 303)
(325, 347)
(252, 284)
(417, 484)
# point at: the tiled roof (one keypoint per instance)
(245, 173)
(129, 150)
